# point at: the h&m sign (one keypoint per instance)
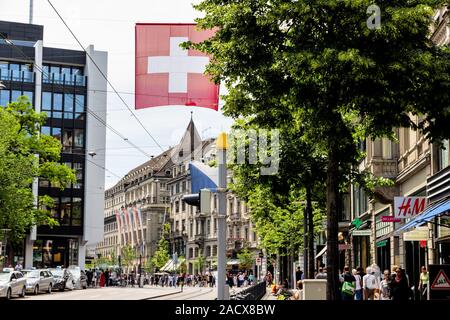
(408, 207)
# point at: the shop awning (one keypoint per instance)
(321, 252)
(427, 215)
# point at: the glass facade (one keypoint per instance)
(7, 96)
(63, 75)
(18, 72)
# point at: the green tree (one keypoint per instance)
(246, 259)
(128, 256)
(148, 265)
(161, 255)
(318, 61)
(25, 155)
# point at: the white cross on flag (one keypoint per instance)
(166, 74)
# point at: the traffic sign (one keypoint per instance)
(441, 282)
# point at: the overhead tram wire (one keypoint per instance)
(63, 89)
(104, 76)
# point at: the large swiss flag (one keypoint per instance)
(168, 75)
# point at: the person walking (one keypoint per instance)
(399, 286)
(348, 285)
(321, 274)
(369, 284)
(423, 283)
(358, 285)
(385, 286)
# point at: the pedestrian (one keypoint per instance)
(399, 286)
(241, 279)
(385, 286)
(18, 267)
(102, 279)
(348, 285)
(369, 284)
(423, 283)
(321, 274)
(106, 277)
(359, 284)
(298, 275)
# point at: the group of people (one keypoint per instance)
(240, 279)
(392, 285)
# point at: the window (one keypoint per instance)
(79, 139)
(183, 225)
(46, 101)
(79, 107)
(67, 141)
(65, 211)
(208, 227)
(57, 105)
(56, 133)
(68, 106)
(4, 97)
(15, 94)
(443, 155)
(386, 148)
(76, 211)
(46, 130)
(79, 175)
(29, 95)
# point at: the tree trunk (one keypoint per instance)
(332, 224)
(309, 211)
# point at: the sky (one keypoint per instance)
(109, 26)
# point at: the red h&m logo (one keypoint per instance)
(407, 207)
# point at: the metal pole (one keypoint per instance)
(221, 217)
(305, 242)
(31, 11)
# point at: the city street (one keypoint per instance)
(117, 293)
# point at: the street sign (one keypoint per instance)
(423, 243)
(357, 223)
(408, 207)
(258, 261)
(344, 246)
(381, 243)
(390, 219)
(440, 282)
(419, 234)
(362, 233)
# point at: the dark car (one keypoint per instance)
(63, 279)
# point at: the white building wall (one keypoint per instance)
(95, 140)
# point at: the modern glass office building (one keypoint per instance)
(71, 90)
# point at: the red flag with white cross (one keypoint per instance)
(166, 74)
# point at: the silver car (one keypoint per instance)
(12, 283)
(39, 280)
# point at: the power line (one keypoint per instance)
(104, 76)
(93, 114)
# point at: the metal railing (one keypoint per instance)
(255, 292)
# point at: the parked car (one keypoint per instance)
(39, 280)
(12, 283)
(79, 277)
(63, 279)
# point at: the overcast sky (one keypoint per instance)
(109, 26)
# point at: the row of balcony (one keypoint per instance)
(53, 78)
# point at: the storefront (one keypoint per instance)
(53, 252)
(382, 242)
(361, 248)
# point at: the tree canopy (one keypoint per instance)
(317, 63)
(26, 155)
